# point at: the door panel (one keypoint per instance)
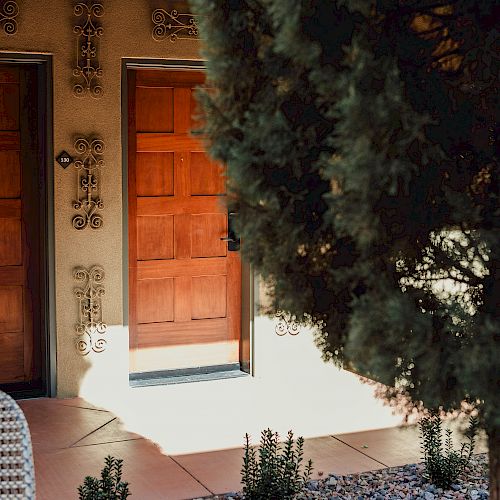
(185, 287)
(155, 300)
(10, 173)
(209, 297)
(11, 357)
(155, 237)
(155, 109)
(206, 176)
(206, 233)
(11, 309)
(10, 242)
(155, 174)
(9, 103)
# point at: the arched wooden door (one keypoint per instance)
(184, 283)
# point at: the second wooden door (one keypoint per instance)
(20, 233)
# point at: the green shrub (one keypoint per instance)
(276, 473)
(442, 463)
(109, 487)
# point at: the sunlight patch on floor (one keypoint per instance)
(292, 389)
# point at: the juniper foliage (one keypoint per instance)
(361, 144)
(443, 464)
(276, 471)
(109, 487)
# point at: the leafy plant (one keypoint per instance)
(276, 473)
(443, 464)
(109, 487)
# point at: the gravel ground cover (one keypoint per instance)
(404, 482)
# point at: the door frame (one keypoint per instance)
(248, 282)
(43, 65)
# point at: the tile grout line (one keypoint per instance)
(83, 408)
(359, 451)
(104, 442)
(195, 478)
(92, 432)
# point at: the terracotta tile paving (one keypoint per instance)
(71, 438)
(53, 425)
(392, 447)
(331, 456)
(399, 445)
(110, 433)
(151, 474)
(219, 471)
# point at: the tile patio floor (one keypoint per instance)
(71, 438)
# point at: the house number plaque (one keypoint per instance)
(64, 159)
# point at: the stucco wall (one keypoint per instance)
(47, 27)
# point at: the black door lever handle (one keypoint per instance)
(233, 242)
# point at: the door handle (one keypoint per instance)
(233, 242)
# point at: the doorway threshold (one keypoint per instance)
(186, 375)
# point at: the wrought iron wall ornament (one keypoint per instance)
(174, 25)
(90, 327)
(8, 12)
(88, 33)
(286, 324)
(88, 189)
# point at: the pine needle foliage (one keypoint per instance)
(444, 464)
(361, 144)
(275, 471)
(109, 487)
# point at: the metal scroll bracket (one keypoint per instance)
(88, 199)
(286, 324)
(88, 32)
(174, 25)
(9, 10)
(90, 328)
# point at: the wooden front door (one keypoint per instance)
(184, 283)
(20, 351)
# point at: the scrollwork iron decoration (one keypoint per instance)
(174, 25)
(90, 327)
(87, 60)
(88, 190)
(8, 12)
(286, 324)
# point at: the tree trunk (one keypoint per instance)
(494, 458)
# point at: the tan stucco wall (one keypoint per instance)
(47, 27)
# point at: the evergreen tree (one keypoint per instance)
(361, 144)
